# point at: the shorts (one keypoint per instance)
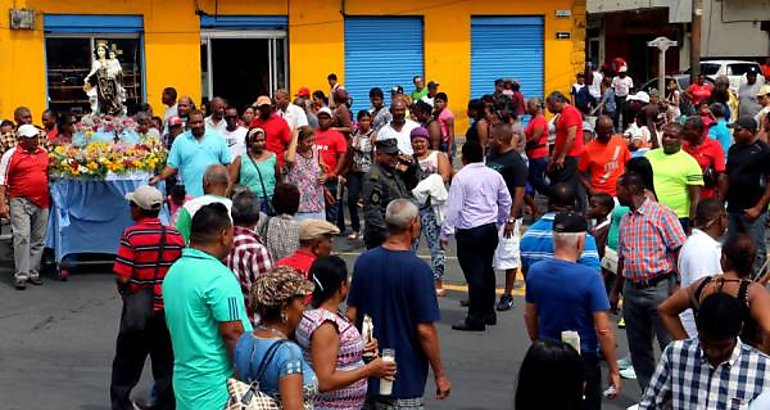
(507, 253)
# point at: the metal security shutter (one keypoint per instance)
(244, 22)
(507, 47)
(374, 59)
(92, 23)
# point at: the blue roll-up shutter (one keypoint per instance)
(245, 22)
(507, 47)
(90, 23)
(374, 59)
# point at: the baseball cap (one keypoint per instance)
(588, 127)
(146, 197)
(279, 285)
(752, 70)
(744, 122)
(396, 89)
(764, 90)
(640, 96)
(419, 132)
(433, 84)
(313, 228)
(387, 146)
(623, 69)
(324, 110)
(569, 222)
(303, 92)
(264, 100)
(28, 131)
(174, 121)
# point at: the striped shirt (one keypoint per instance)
(648, 241)
(685, 379)
(248, 259)
(138, 256)
(537, 245)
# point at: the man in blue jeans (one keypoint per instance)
(747, 191)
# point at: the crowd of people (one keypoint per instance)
(641, 191)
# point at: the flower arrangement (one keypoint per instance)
(97, 159)
(92, 124)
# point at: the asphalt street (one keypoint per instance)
(57, 343)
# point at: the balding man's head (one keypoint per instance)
(22, 116)
(184, 106)
(340, 95)
(398, 109)
(282, 98)
(562, 197)
(215, 180)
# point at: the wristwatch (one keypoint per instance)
(511, 221)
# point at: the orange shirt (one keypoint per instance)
(605, 162)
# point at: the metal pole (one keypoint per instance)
(662, 72)
(695, 39)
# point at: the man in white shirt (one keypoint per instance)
(595, 83)
(622, 83)
(169, 100)
(399, 128)
(432, 91)
(216, 121)
(234, 134)
(701, 253)
(294, 115)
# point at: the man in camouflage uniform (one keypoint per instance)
(382, 184)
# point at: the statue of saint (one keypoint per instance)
(103, 84)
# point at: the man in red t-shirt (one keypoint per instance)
(315, 241)
(536, 146)
(24, 179)
(604, 159)
(562, 167)
(332, 146)
(277, 131)
(708, 153)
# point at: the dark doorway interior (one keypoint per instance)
(241, 70)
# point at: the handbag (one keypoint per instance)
(269, 203)
(248, 396)
(138, 306)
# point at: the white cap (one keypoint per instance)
(28, 131)
(324, 110)
(623, 69)
(640, 96)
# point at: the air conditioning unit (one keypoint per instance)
(22, 19)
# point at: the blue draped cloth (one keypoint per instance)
(89, 216)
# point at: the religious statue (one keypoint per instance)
(103, 84)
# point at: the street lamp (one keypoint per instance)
(662, 43)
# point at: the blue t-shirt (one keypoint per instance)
(721, 133)
(396, 289)
(537, 245)
(288, 360)
(567, 295)
(191, 157)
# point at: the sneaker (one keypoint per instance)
(622, 323)
(505, 303)
(628, 373)
(624, 363)
(20, 284)
(354, 236)
(35, 280)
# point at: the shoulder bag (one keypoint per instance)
(138, 306)
(265, 199)
(248, 396)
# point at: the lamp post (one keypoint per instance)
(663, 44)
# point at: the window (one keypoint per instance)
(741, 68)
(69, 60)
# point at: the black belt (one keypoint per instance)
(650, 282)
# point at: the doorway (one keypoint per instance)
(240, 66)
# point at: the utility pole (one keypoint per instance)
(695, 30)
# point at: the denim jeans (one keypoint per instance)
(640, 311)
(335, 213)
(756, 229)
(355, 186)
(536, 176)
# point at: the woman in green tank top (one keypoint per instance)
(257, 169)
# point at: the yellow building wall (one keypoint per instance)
(316, 42)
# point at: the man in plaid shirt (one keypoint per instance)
(22, 116)
(249, 257)
(649, 240)
(714, 370)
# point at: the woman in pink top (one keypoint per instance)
(446, 120)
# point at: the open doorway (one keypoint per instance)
(240, 66)
(241, 70)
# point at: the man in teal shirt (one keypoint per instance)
(205, 312)
(192, 152)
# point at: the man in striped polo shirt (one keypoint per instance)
(146, 252)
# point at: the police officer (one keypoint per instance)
(382, 184)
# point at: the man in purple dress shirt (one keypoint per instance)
(478, 204)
